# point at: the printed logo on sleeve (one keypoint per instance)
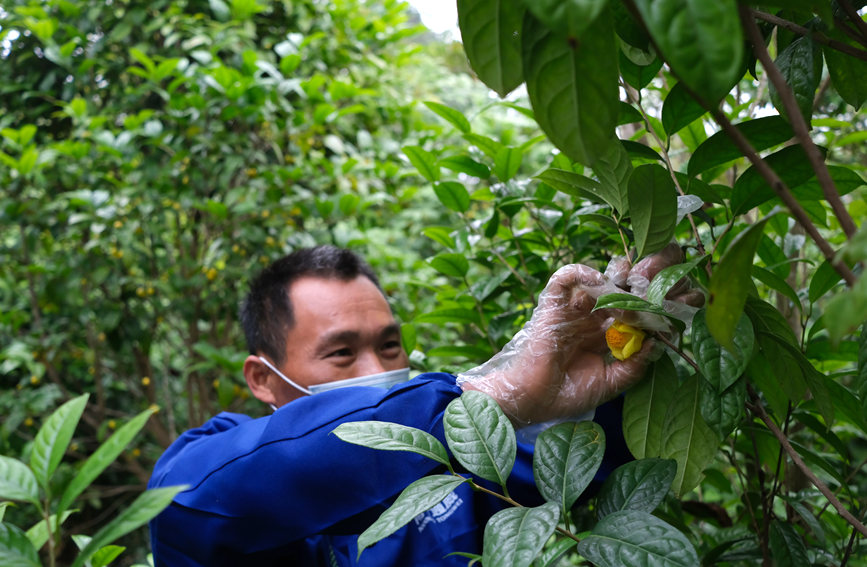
(439, 513)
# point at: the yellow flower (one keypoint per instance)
(623, 340)
(146, 381)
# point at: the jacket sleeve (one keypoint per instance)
(258, 484)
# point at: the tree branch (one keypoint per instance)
(854, 17)
(799, 124)
(818, 37)
(759, 411)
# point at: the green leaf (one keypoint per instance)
(629, 302)
(491, 34)
(106, 555)
(569, 17)
(632, 537)
(465, 164)
(645, 407)
(507, 162)
(639, 485)
(515, 536)
(565, 460)
(450, 264)
(441, 235)
(730, 284)
(702, 41)
(15, 549)
(424, 162)
(38, 533)
(613, 169)
(141, 511)
(571, 183)
(487, 145)
(777, 284)
(449, 315)
(722, 411)
(687, 438)
(480, 436)
(417, 498)
(573, 86)
(847, 310)
(847, 73)
(679, 109)
(387, 436)
(454, 117)
(800, 63)
(638, 76)
(17, 481)
(762, 133)
(100, 459)
(653, 208)
(751, 189)
(722, 367)
(453, 196)
(787, 546)
(668, 277)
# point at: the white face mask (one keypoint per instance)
(379, 380)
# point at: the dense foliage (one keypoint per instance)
(154, 155)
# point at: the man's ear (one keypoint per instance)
(259, 379)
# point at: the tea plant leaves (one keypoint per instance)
(632, 537)
(573, 87)
(17, 481)
(480, 436)
(387, 436)
(570, 18)
(53, 438)
(653, 208)
(418, 497)
(751, 189)
(702, 40)
(800, 63)
(722, 411)
(565, 460)
(515, 536)
(424, 162)
(679, 109)
(454, 117)
(639, 485)
(667, 278)
(15, 549)
(491, 35)
(762, 134)
(787, 546)
(721, 367)
(847, 73)
(645, 407)
(613, 170)
(453, 196)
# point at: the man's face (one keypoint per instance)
(343, 329)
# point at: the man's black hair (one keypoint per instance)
(266, 314)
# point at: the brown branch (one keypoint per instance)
(818, 37)
(854, 17)
(759, 411)
(799, 124)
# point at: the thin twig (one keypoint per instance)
(799, 124)
(759, 411)
(815, 35)
(854, 17)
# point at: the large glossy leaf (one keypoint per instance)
(613, 169)
(629, 302)
(722, 411)
(632, 537)
(491, 34)
(720, 366)
(645, 407)
(702, 41)
(565, 460)
(787, 546)
(15, 549)
(572, 183)
(668, 277)
(450, 264)
(387, 436)
(687, 438)
(515, 536)
(480, 436)
(453, 196)
(800, 63)
(638, 76)
(847, 72)
(679, 109)
(762, 133)
(418, 497)
(751, 190)
(730, 284)
(17, 481)
(138, 513)
(639, 485)
(653, 208)
(566, 17)
(572, 87)
(423, 161)
(53, 438)
(104, 455)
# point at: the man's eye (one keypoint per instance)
(340, 353)
(391, 345)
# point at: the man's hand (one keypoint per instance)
(556, 366)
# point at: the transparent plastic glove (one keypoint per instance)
(558, 365)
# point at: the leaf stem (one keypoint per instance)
(759, 411)
(816, 36)
(798, 122)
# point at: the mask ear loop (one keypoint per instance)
(284, 377)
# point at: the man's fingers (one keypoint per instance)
(652, 265)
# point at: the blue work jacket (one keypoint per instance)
(282, 490)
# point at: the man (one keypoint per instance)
(280, 490)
